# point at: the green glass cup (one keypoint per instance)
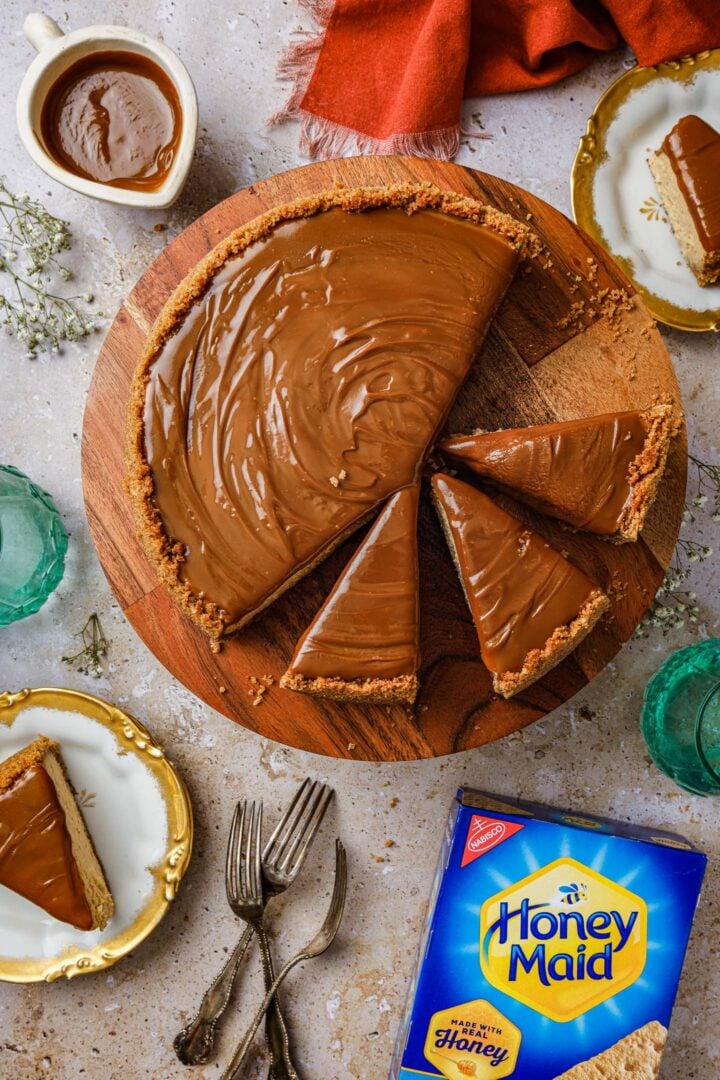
(33, 542)
(681, 717)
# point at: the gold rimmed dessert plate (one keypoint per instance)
(613, 193)
(137, 811)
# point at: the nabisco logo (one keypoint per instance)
(484, 834)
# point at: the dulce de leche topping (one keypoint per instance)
(368, 626)
(115, 118)
(305, 387)
(578, 470)
(518, 587)
(36, 857)
(693, 150)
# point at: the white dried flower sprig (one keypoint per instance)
(88, 661)
(30, 240)
(708, 487)
(674, 606)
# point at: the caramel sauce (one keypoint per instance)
(693, 149)
(114, 118)
(578, 470)
(336, 344)
(519, 589)
(36, 856)
(368, 626)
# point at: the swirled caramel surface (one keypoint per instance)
(577, 471)
(115, 118)
(305, 387)
(368, 626)
(693, 150)
(518, 587)
(36, 856)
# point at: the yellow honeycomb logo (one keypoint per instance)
(563, 939)
(472, 1040)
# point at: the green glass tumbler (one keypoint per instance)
(681, 717)
(33, 543)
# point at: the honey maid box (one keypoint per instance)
(552, 949)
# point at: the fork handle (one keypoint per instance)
(281, 1064)
(193, 1045)
(239, 1058)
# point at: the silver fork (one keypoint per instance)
(322, 940)
(283, 858)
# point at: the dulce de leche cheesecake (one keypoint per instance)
(599, 474)
(686, 169)
(531, 607)
(296, 379)
(363, 643)
(46, 854)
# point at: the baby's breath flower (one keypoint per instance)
(30, 311)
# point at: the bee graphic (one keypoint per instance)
(573, 893)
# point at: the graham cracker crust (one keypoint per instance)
(402, 689)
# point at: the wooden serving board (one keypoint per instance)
(543, 360)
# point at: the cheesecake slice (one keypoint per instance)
(363, 643)
(686, 169)
(46, 854)
(531, 607)
(600, 474)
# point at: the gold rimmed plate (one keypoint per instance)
(613, 193)
(137, 811)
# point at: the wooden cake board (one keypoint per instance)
(561, 347)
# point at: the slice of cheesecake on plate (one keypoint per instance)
(600, 474)
(46, 854)
(686, 169)
(531, 607)
(363, 643)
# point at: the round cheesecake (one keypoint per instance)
(296, 380)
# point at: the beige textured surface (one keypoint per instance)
(588, 755)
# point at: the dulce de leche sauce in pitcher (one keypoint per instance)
(114, 118)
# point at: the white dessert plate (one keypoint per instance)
(137, 811)
(613, 193)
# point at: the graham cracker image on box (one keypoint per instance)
(637, 1055)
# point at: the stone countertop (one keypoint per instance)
(587, 755)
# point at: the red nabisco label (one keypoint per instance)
(484, 834)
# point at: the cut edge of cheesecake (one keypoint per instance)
(400, 690)
(645, 471)
(45, 753)
(166, 554)
(704, 264)
(561, 642)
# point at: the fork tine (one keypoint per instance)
(299, 844)
(231, 862)
(257, 854)
(284, 823)
(289, 823)
(242, 859)
(339, 888)
(311, 830)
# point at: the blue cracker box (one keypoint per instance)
(551, 940)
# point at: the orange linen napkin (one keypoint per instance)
(388, 76)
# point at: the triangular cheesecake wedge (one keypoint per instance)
(686, 170)
(298, 377)
(531, 607)
(46, 854)
(599, 474)
(638, 1055)
(363, 643)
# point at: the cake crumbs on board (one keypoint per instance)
(259, 687)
